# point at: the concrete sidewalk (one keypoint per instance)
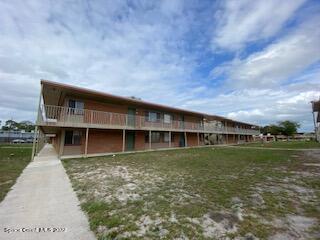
(43, 198)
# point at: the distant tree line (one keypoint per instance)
(13, 125)
(287, 128)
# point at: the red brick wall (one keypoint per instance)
(56, 142)
(158, 145)
(192, 119)
(140, 140)
(232, 139)
(101, 141)
(192, 139)
(94, 105)
(176, 139)
(104, 141)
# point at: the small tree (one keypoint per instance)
(288, 128)
(272, 129)
(26, 125)
(264, 130)
(13, 125)
(10, 125)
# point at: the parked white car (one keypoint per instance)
(29, 140)
(18, 141)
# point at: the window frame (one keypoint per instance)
(148, 116)
(77, 107)
(68, 137)
(76, 137)
(164, 137)
(155, 137)
(170, 118)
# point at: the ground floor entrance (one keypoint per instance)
(130, 140)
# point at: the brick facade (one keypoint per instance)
(103, 141)
(106, 133)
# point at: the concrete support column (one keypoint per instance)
(315, 123)
(86, 145)
(123, 140)
(185, 139)
(38, 140)
(34, 142)
(238, 138)
(227, 136)
(169, 139)
(63, 135)
(198, 138)
(150, 142)
(34, 150)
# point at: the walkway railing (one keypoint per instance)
(72, 117)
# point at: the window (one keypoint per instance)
(77, 107)
(68, 138)
(167, 118)
(72, 138)
(155, 137)
(152, 116)
(76, 137)
(166, 137)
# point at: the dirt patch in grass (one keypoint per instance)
(200, 194)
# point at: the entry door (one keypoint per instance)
(131, 117)
(181, 140)
(130, 139)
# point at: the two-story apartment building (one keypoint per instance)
(83, 122)
(316, 118)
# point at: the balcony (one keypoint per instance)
(83, 118)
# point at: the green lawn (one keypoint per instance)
(285, 144)
(16, 145)
(12, 161)
(199, 194)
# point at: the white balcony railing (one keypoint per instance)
(71, 117)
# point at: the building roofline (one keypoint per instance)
(315, 106)
(134, 101)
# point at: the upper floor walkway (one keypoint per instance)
(59, 116)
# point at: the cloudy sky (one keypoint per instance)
(255, 61)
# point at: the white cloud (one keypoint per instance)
(266, 105)
(142, 48)
(242, 22)
(170, 7)
(279, 61)
(127, 49)
(262, 107)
